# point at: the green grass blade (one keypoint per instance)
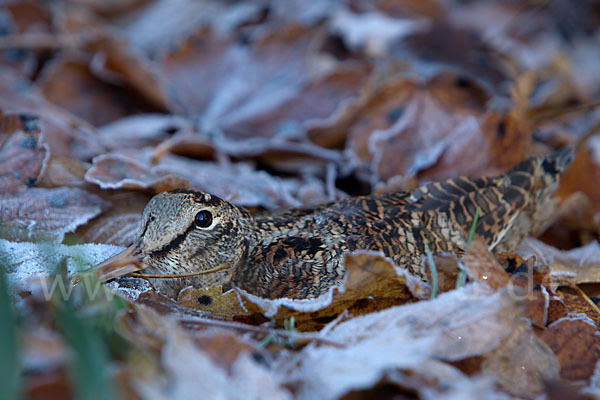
(434, 275)
(473, 226)
(9, 350)
(462, 275)
(89, 370)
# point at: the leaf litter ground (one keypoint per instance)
(276, 104)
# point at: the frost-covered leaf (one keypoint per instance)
(578, 265)
(46, 213)
(26, 261)
(237, 183)
(22, 151)
(195, 366)
(522, 363)
(403, 337)
(277, 85)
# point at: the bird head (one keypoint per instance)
(195, 237)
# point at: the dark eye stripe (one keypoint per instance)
(146, 225)
(173, 244)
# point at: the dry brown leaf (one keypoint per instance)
(568, 267)
(191, 370)
(228, 305)
(118, 171)
(403, 9)
(119, 225)
(572, 302)
(179, 20)
(447, 45)
(61, 171)
(482, 266)
(448, 327)
(139, 131)
(436, 131)
(55, 385)
(237, 183)
(213, 364)
(505, 139)
(329, 373)
(522, 364)
(575, 342)
(372, 32)
(43, 350)
(584, 173)
(166, 306)
(574, 222)
(22, 152)
(114, 58)
(20, 18)
(304, 90)
(557, 309)
(437, 379)
(65, 134)
(39, 213)
(69, 83)
(454, 318)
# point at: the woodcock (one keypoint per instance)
(299, 253)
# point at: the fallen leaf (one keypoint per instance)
(573, 303)
(22, 152)
(214, 301)
(120, 224)
(522, 364)
(65, 134)
(25, 262)
(115, 58)
(432, 131)
(41, 213)
(139, 131)
(329, 373)
(575, 342)
(191, 367)
(453, 318)
(568, 267)
(237, 183)
(180, 20)
(482, 266)
(372, 32)
(584, 173)
(305, 90)
(44, 350)
(402, 337)
(445, 44)
(60, 171)
(69, 83)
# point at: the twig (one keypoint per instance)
(173, 276)
(586, 297)
(259, 329)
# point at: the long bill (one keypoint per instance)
(123, 263)
(129, 261)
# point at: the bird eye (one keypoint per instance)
(203, 219)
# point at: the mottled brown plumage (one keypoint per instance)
(298, 253)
